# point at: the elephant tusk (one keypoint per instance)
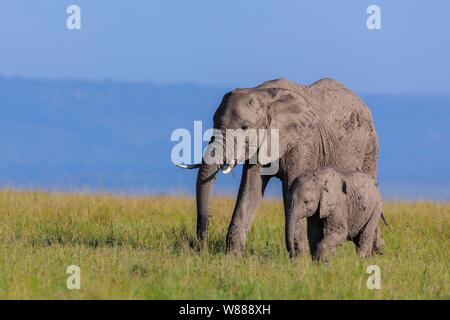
(188, 166)
(226, 169)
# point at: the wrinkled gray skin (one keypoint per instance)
(320, 125)
(348, 203)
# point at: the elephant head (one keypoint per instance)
(323, 193)
(275, 105)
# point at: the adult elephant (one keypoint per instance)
(320, 125)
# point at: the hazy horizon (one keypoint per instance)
(113, 137)
(225, 88)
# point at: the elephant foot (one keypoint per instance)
(378, 244)
(364, 250)
(235, 246)
(200, 245)
(301, 249)
(362, 253)
(321, 258)
(323, 253)
(235, 250)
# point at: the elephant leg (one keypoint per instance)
(251, 191)
(336, 233)
(327, 246)
(378, 243)
(368, 235)
(370, 167)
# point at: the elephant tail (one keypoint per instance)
(385, 221)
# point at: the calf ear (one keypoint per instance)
(332, 196)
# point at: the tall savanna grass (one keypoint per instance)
(145, 248)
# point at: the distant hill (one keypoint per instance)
(115, 136)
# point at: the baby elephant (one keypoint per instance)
(348, 204)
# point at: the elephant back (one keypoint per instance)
(337, 103)
(281, 83)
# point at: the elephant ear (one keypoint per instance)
(284, 107)
(271, 142)
(332, 196)
(292, 114)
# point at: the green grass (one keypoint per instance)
(142, 248)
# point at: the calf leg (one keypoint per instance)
(336, 233)
(378, 243)
(369, 235)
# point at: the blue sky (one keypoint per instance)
(232, 43)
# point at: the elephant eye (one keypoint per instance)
(245, 126)
(306, 202)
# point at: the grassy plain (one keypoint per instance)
(144, 248)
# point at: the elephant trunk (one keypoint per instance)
(205, 180)
(213, 160)
(290, 232)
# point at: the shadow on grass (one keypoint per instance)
(176, 239)
(182, 240)
(91, 243)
